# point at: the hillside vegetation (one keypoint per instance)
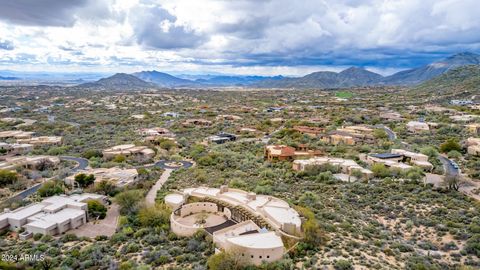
(458, 81)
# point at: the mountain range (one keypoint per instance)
(459, 81)
(8, 78)
(353, 76)
(120, 81)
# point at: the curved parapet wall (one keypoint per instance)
(198, 207)
(257, 247)
(273, 211)
(182, 225)
(181, 229)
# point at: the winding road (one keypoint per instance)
(82, 163)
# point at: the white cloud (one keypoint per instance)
(244, 36)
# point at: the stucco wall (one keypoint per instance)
(256, 256)
(198, 207)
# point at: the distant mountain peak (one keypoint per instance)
(463, 58)
(119, 81)
(161, 78)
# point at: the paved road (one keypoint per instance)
(163, 164)
(27, 192)
(152, 193)
(447, 165)
(391, 135)
(82, 163)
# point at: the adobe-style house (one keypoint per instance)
(197, 122)
(349, 135)
(249, 224)
(416, 126)
(28, 162)
(42, 140)
(117, 176)
(288, 153)
(152, 135)
(129, 150)
(347, 166)
(15, 148)
(16, 134)
(401, 159)
(310, 131)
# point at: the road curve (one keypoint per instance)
(447, 165)
(82, 163)
(391, 135)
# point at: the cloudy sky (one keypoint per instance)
(265, 37)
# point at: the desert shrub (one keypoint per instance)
(7, 177)
(96, 209)
(51, 188)
(129, 200)
(154, 216)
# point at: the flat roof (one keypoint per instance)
(174, 198)
(257, 240)
(283, 215)
(47, 220)
(387, 155)
(24, 212)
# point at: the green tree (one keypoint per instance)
(226, 261)
(454, 154)
(129, 200)
(154, 216)
(7, 177)
(429, 151)
(449, 145)
(96, 209)
(51, 188)
(105, 187)
(119, 159)
(84, 180)
(166, 144)
(380, 134)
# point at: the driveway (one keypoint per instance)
(152, 193)
(106, 226)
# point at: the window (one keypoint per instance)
(268, 256)
(251, 256)
(243, 254)
(260, 256)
